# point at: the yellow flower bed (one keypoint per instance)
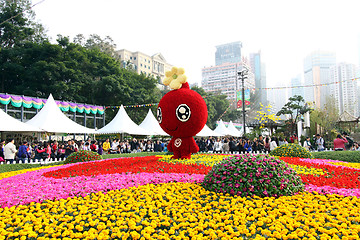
(184, 211)
(303, 170)
(353, 165)
(204, 159)
(13, 173)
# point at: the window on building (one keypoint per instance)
(134, 58)
(140, 64)
(130, 58)
(149, 61)
(149, 67)
(145, 66)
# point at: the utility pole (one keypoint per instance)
(243, 75)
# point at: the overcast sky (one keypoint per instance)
(186, 32)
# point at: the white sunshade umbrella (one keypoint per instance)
(222, 129)
(52, 119)
(207, 132)
(10, 124)
(152, 125)
(233, 131)
(122, 123)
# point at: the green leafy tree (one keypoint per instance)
(294, 109)
(17, 24)
(105, 45)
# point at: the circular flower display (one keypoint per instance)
(82, 156)
(291, 150)
(248, 175)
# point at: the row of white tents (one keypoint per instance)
(51, 119)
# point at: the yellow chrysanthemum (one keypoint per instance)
(175, 78)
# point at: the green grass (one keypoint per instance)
(346, 156)
(17, 167)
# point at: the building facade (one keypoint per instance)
(316, 72)
(295, 90)
(155, 65)
(259, 70)
(224, 79)
(345, 90)
(228, 53)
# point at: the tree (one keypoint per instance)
(217, 104)
(323, 121)
(106, 45)
(294, 109)
(17, 24)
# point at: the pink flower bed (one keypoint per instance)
(33, 187)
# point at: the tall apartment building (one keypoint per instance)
(223, 77)
(317, 71)
(155, 65)
(228, 53)
(258, 68)
(345, 91)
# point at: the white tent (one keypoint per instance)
(222, 129)
(233, 131)
(51, 119)
(207, 132)
(123, 124)
(151, 124)
(10, 124)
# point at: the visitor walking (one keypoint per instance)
(339, 143)
(9, 151)
(320, 143)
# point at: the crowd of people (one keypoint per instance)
(54, 149)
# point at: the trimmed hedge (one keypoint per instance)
(82, 156)
(346, 156)
(291, 150)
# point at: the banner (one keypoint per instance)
(239, 99)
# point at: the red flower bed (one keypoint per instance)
(137, 164)
(336, 176)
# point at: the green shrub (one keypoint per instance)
(250, 174)
(291, 150)
(346, 156)
(82, 156)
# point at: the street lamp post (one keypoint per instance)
(243, 75)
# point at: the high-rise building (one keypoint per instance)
(277, 97)
(295, 89)
(316, 72)
(258, 68)
(222, 79)
(344, 92)
(155, 65)
(228, 53)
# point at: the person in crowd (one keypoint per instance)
(267, 144)
(261, 144)
(128, 147)
(232, 145)
(93, 147)
(114, 146)
(355, 147)
(69, 149)
(350, 141)
(241, 146)
(76, 147)
(134, 144)
(225, 146)
(2, 145)
(54, 148)
(218, 146)
(339, 143)
(10, 151)
(106, 146)
(23, 154)
(40, 152)
(320, 143)
(61, 151)
(86, 147)
(158, 146)
(248, 146)
(307, 144)
(100, 150)
(255, 146)
(210, 144)
(202, 145)
(149, 146)
(273, 143)
(281, 141)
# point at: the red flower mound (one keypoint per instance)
(335, 177)
(148, 164)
